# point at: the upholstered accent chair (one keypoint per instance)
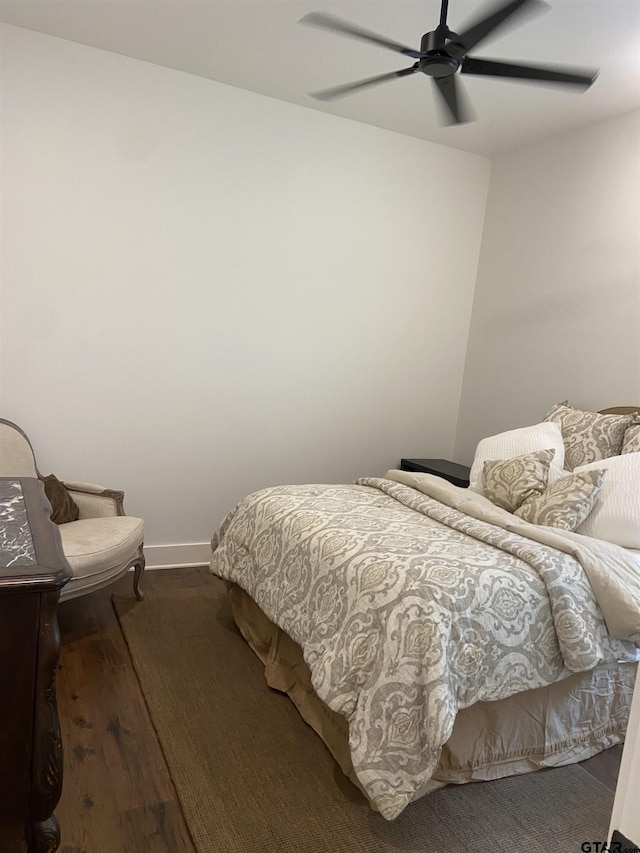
(102, 543)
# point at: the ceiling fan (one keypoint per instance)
(443, 53)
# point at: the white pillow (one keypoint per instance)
(517, 442)
(615, 516)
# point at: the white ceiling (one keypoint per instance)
(258, 45)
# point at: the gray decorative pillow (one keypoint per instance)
(631, 443)
(565, 503)
(509, 482)
(588, 436)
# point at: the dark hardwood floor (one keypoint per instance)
(118, 796)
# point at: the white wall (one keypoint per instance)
(206, 291)
(625, 816)
(556, 311)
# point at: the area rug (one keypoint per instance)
(252, 777)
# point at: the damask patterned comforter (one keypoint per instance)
(408, 608)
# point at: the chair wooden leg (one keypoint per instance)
(137, 576)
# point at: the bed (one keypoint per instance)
(434, 635)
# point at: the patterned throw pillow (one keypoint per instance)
(588, 436)
(631, 443)
(565, 503)
(517, 442)
(509, 482)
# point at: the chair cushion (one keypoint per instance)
(96, 545)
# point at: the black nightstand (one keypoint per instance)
(451, 471)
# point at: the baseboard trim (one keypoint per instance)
(177, 556)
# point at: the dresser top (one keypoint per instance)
(16, 541)
(30, 548)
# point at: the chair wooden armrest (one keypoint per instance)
(95, 501)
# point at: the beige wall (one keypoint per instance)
(556, 311)
(206, 291)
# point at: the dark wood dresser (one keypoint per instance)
(451, 471)
(33, 569)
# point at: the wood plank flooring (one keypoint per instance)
(118, 796)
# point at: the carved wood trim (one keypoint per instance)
(620, 410)
(138, 567)
(117, 497)
(44, 836)
(46, 762)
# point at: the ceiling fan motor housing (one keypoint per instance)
(436, 62)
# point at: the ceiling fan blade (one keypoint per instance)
(450, 93)
(479, 31)
(348, 88)
(547, 74)
(336, 25)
